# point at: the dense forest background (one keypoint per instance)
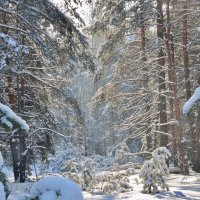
(103, 81)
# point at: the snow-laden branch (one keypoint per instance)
(192, 101)
(7, 116)
(13, 27)
(47, 129)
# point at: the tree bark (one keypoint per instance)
(145, 79)
(185, 52)
(161, 78)
(12, 102)
(23, 156)
(194, 136)
(174, 104)
(15, 156)
(171, 82)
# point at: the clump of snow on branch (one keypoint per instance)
(192, 101)
(6, 114)
(154, 170)
(161, 153)
(52, 188)
(2, 193)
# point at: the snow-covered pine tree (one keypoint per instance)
(153, 171)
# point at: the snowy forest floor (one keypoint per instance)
(181, 187)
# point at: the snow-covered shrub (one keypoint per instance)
(174, 170)
(101, 161)
(70, 166)
(120, 154)
(67, 151)
(74, 177)
(154, 170)
(89, 164)
(146, 173)
(54, 188)
(87, 178)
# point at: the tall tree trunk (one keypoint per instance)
(171, 82)
(193, 134)
(161, 78)
(196, 146)
(23, 156)
(174, 104)
(185, 52)
(22, 138)
(22, 134)
(145, 80)
(14, 142)
(12, 101)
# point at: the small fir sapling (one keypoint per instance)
(87, 179)
(146, 174)
(71, 166)
(154, 170)
(160, 155)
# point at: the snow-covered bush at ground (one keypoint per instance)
(192, 101)
(121, 157)
(154, 170)
(54, 188)
(101, 162)
(181, 188)
(67, 151)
